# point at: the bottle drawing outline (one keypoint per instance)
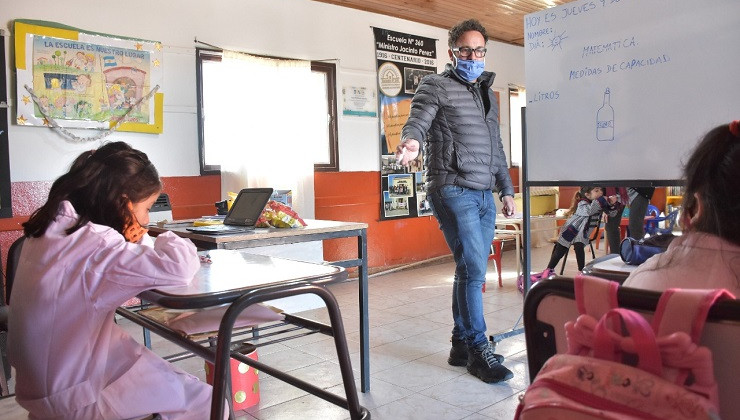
(605, 119)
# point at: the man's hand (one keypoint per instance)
(407, 151)
(509, 207)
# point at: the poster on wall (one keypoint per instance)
(83, 79)
(359, 101)
(402, 61)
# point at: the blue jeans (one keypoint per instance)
(467, 219)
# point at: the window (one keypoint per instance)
(517, 101)
(328, 159)
(221, 125)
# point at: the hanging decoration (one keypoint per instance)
(70, 78)
(402, 60)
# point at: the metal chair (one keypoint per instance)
(4, 366)
(14, 253)
(495, 255)
(600, 233)
(652, 211)
(652, 225)
(552, 303)
(593, 228)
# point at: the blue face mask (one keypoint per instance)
(469, 69)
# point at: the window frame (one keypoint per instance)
(329, 70)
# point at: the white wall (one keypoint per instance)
(287, 28)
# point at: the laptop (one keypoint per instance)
(242, 216)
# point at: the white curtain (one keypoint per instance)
(264, 125)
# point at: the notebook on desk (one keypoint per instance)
(242, 216)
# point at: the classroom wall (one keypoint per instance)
(287, 28)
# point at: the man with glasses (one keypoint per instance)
(456, 115)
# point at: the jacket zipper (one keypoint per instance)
(478, 93)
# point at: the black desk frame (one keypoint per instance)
(360, 262)
(221, 354)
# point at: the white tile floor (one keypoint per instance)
(410, 325)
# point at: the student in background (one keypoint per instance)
(707, 254)
(85, 254)
(576, 231)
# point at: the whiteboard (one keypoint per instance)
(672, 70)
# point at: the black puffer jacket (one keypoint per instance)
(462, 146)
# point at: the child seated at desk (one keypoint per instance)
(589, 204)
(707, 254)
(85, 253)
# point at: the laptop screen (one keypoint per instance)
(248, 206)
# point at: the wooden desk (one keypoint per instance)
(240, 280)
(515, 226)
(315, 230)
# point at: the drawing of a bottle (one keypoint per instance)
(605, 120)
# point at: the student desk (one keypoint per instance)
(315, 230)
(610, 267)
(541, 228)
(239, 280)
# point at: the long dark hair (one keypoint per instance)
(713, 171)
(99, 184)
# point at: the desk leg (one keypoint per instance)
(518, 243)
(364, 319)
(221, 372)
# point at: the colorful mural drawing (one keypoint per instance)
(87, 80)
(82, 81)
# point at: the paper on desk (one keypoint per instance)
(208, 320)
(615, 265)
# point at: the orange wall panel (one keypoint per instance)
(342, 196)
(190, 196)
(355, 197)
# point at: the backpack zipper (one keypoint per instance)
(589, 400)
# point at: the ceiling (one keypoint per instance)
(503, 19)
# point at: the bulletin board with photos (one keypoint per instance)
(402, 61)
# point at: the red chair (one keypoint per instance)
(599, 234)
(495, 255)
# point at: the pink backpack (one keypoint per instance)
(671, 378)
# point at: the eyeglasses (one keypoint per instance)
(467, 51)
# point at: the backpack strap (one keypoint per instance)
(621, 330)
(595, 296)
(685, 310)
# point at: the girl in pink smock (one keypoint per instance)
(707, 254)
(85, 254)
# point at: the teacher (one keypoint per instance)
(456, 114)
